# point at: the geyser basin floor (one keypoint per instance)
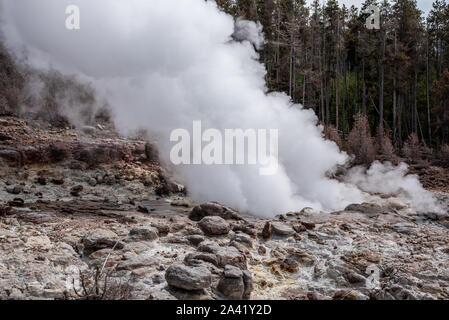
(307, 255)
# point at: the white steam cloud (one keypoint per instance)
(163, 64)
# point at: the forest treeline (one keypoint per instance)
(388, 85)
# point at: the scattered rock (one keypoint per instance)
(37, 217)
(57, 181)
(267, 231)
(244, 227)
(262, 250)
(101, 239)
(17, 202)
(197, 258)
(354, 278)
(41, 180)
(187, 277)
(214, 226)
(243, 238)
(143, 234)
(366, 208)
(92, 182)
(213, 209)
(187, 203)
(162, 228)
(143, 209)
(289, 265)
(249, 284)
(343, 295)
(75, 191)
(235, 284)
(138, 261)
(15, 189)
(225, 255)
(4, 137)
(231, 283)
(282, 229)
(299, 228)
(195, 239)
(308, 225)
(404, 227)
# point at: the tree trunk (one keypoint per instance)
(395, 95)
(363, 88)
(343, 105)
(337, 54)
(381, 89)
(415, 103)
(429, 128)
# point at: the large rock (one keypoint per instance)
(15, 189)
(235, 284)
(214, 226)
(243, 238)
(282, 229)
(188, 278)
(101, 239)
(249, 284)
(143, 234)
(213, 209)
(195, 239)
(137, 261)
(267, 231)
(198, 257)
(12, 157)
(366, 208)
(225, 255)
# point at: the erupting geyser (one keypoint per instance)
(164, 64)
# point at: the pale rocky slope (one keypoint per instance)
(73, 201)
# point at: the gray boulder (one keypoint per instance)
(137, 261)
(188, 278)
(143, 234)
(213, 209)
(365, 208)
(282, 229)
(101, 239)
(235, 284)
(225, 255)
(214, 226)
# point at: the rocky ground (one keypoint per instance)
(85, 214)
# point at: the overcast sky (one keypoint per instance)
(424, 5)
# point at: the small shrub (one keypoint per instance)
(412, 149)
(445, 153)
(101, 285)
(360, 142)
(385, 146)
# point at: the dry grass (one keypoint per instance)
(102, 285)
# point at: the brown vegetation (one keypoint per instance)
(360, 142)
(102, 285)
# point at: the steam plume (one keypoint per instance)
(163, 64)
